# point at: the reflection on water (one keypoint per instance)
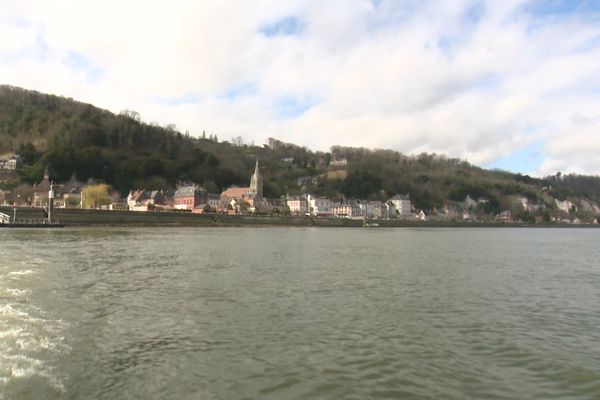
(299, 313)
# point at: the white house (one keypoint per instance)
(372, 209)
(318, 205)
(10, 164)
(347, 210)
(402, 205)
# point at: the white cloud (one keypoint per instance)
(472, 79)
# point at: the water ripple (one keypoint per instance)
(300, 314)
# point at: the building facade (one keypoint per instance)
(188, 197)
(143, 200)
(403, 208)
(347, 210)
(318, 205)
(297, 205)
(11, 164)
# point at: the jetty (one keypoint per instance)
(7, 222)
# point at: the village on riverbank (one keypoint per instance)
(238, 200)
(98, 160)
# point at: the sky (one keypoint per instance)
(511, 84)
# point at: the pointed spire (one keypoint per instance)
(256, 182)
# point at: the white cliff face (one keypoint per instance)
(472, 203)
(525, 203)
(469, 202)
(528, 206)
(563, 205)
(589, 207)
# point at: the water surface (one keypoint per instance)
(299, 313)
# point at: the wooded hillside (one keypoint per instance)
(71, 137)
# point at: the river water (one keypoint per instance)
(299, 313)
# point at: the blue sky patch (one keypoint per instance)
(287, 26)
(562, 7)
(79, 62)
(41, 48)
(76, 61)
(292, 107)
(240, 90)
(474, 12)
(526, 160)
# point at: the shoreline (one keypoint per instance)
(87, 218)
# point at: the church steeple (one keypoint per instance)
(256, 182)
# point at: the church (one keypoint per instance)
(237, 200)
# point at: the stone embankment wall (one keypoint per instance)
(77, 217)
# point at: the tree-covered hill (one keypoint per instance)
(70, 137)
(73, 138)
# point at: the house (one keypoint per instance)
(347, 210)
(338, 163)
(10, 163)
(188, 197)
(213, 200)
(145, 200)
(402, 205)
(132, 198)
(279, 206)
(504, 216)
(236, 206)
(68, 194)
(65, 197)
(297, 204)
(375, 210)
(372, 209)
(318, 205)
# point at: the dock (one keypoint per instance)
(7, 222)
(32, 225)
